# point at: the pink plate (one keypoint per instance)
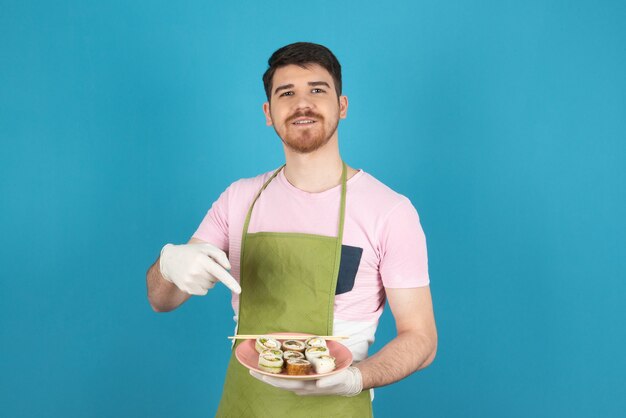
(249, 357)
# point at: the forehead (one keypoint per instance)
(294, 74)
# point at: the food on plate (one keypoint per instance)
(292, 354)
(270, 363)
(314, 352)
(296, 366)
(266, 343)
(324, 364)
(294, 345)
(315, 342)
(278, 353)
(298, 359)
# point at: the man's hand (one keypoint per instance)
(345, 383)
(195, 268)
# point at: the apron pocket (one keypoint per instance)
(349, 265)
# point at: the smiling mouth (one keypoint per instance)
(303, 122)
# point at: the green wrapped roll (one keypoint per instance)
(270, 363)
(266, 343)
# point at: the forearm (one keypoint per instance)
(163, 295)
(408, 352)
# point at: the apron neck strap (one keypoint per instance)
(247, 222)
(342, 206)
(338, 246)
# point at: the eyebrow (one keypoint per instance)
(310, 83)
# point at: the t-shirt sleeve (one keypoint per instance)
(214, 227)
(404, 260)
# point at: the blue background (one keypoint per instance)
(504, 122)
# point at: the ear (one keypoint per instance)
(343, 106)
(268, 116)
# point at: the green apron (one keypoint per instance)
(288, 283)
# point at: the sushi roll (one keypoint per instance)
(315, 342)
(294, 345)
(314, 352)
(292, 354)
(266, 343)
(296, 366)
(278, 353)
(324, 364)
(270, 363)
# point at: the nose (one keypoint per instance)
(303, 102)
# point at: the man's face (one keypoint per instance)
(304, 108)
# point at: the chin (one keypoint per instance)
(305, 146)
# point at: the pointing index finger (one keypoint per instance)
(222, 275)
(231, 283)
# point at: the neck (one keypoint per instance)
(316, 171)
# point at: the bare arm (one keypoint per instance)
(163, 295)
(415, 345)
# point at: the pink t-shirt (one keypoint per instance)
(381, 222)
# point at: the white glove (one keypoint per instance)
(345, 383)
(195, 268)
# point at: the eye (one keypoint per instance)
(318, 90)
(287, 93)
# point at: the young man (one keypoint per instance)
(315, 246)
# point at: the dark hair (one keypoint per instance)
(301, 54)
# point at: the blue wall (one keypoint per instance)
(504, 123)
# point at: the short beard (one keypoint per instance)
(306, 143)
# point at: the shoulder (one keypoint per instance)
(379, 197)
(244, 188)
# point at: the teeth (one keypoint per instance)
(300, 122)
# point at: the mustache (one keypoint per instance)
(306, 114)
